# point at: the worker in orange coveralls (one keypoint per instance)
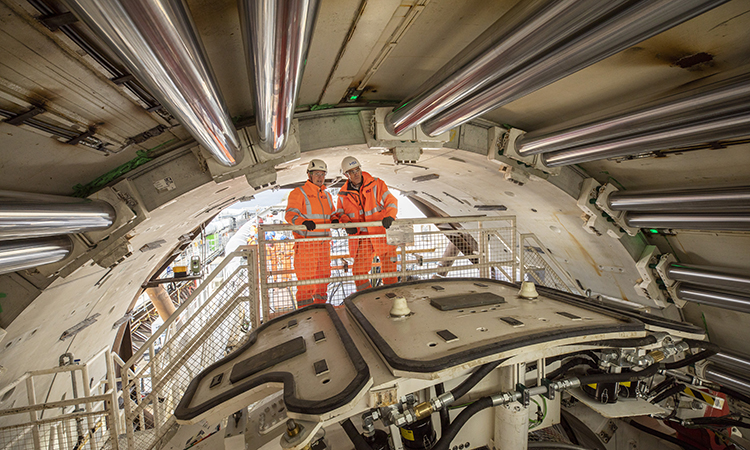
(364, 198)
(310, 205)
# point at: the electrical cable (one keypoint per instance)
(535, 423)
(445, 440)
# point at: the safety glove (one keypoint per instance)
(387, 221)
(351, 231)
(309, 224)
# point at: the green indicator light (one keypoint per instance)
(654, 231)
(353, 97)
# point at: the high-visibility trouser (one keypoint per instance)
(364, 250)
(312, 260)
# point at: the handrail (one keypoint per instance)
(556, 267)
(413, 221)
(59, 404)
(154, 336)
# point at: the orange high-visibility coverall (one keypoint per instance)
(311, 259)
(372, 202)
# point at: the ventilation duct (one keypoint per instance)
(715, 100)
(157, 41)
(633, 24)
(526, 31)
(28, 253)
(277, 36)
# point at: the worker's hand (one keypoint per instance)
(387, 221)
(335, 221)
(351, 231)
(309, 224)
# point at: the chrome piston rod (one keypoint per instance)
(27, 253)
(710, 277)
(731, 381)
(157, 41)
(731, 362)
(688, 221)
(526, 31)
(687, 200)
(708, 130)
(630, 26)
(733, 302)
(277, 35)
(30, 219)
(718, 99)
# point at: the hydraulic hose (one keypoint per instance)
(719, 421)
(662, 436)
(555, 445)
(444, 443)
(573, 362)
(732, 393)
(461, 390)
(664, 385)
(619, 377)
(700, 356)
(627, 343)
(356, 438)
(694, 343)
(445, 417)
(679, 387)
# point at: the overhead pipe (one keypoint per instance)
(639, 21)
(712, 199)
(710, 277)
(724, 300)
(28, 253)
(526, 31)
(715, 100)
(158, 43)
(689, 221)
(51, 215)
(276, 36)
(708, 130)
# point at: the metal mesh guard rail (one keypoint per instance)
(539, 267)
(207, 326)
(60, 433)
(329, 269)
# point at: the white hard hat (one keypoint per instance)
(317, 164)
(349, 163)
